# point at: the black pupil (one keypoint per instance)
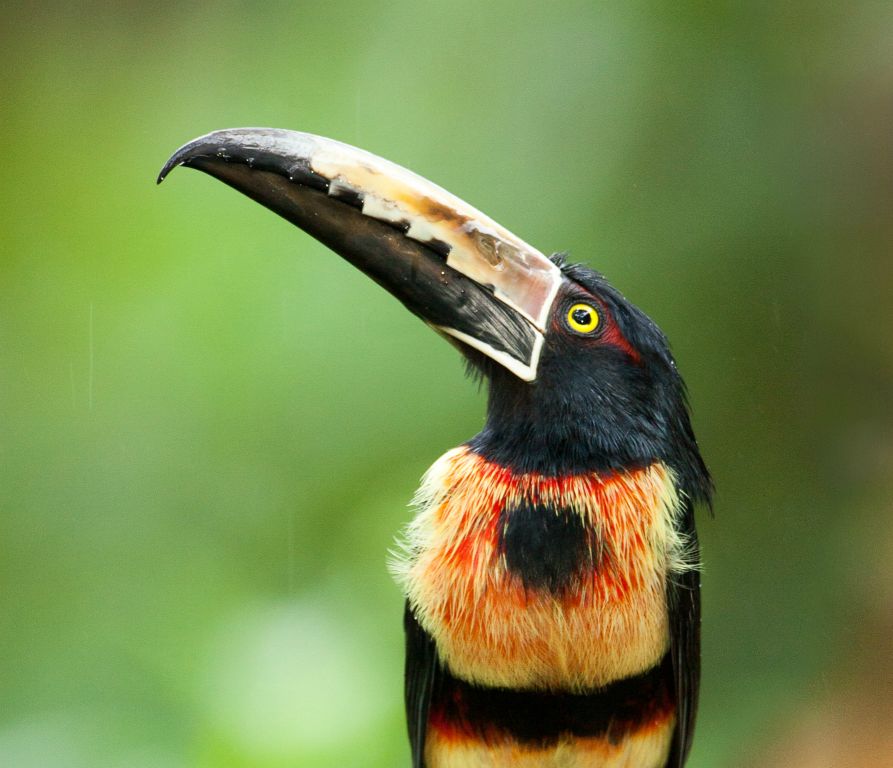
(582, 316)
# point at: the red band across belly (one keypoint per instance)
(462, 711)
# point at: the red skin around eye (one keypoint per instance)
(610, 334)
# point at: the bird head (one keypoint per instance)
(607, 395)
(579, 378)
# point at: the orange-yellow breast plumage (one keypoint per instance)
(489, 628)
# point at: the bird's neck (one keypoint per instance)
(530, 429)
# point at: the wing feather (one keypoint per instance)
(684, 602)
(421, 675)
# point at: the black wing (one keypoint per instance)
(684, 602)
(421, 674)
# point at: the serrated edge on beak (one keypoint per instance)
(517, 274)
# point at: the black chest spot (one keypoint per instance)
(545, 547)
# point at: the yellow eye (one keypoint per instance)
(582, 318)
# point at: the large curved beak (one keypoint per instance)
(448, 263)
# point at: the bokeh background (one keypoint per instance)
(210, 427)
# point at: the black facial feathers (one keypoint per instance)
(607, 403)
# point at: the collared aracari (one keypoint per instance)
(551, 572)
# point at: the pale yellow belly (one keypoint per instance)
(645, 748)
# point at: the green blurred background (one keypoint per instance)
(210, 427)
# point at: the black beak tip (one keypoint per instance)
(240, 145)
(213, 145)
(168, 166)
(185, 154)
(253, 147)
(181, 157)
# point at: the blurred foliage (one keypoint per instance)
(210, 426)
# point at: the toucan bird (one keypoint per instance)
(551, 572)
